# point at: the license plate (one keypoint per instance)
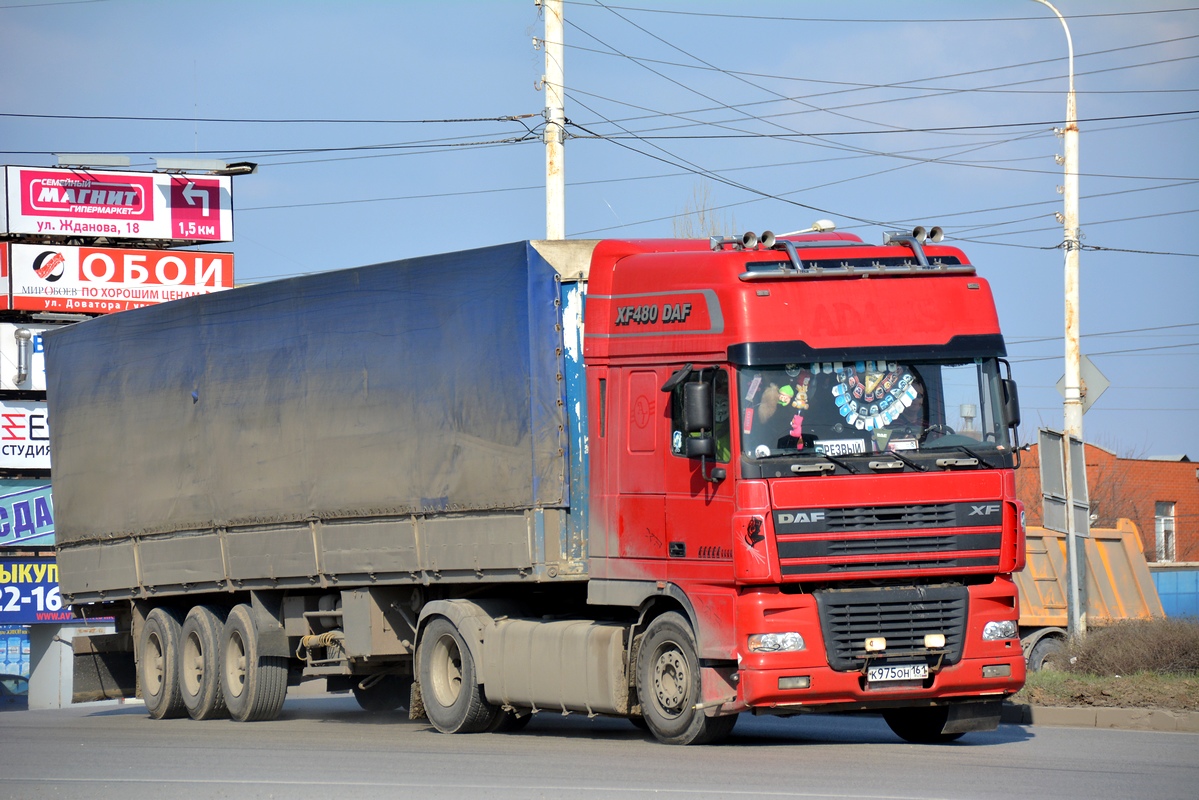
(841, 447)
(897, 672)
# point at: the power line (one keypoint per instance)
(273, 121)
(1153, 329)
(939, 92)
(1111, 352)
(873, 21)
(937, 129)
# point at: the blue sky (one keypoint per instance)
(882, 115)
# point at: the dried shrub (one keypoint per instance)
(1164, 646)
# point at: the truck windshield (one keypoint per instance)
(871, 406)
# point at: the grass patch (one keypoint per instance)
(1133, 664)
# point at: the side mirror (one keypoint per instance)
(702, 447)
(1011, 403)
(697, 407)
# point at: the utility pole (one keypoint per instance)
(555, 121)
(1072, 405)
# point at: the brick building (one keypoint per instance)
(1159, 494)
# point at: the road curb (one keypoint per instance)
(1134, 719)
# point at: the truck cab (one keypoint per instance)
(808, 447)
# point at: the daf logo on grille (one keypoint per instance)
(801, 516)
(984, 511)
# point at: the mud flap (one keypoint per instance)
(103, 668)
(970, 717)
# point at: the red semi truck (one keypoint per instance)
(672, 480)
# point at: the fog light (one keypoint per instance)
(1002, 629)
(775, 642)
(876, 644)
(934, 641)
(795, 682)
(997, 671)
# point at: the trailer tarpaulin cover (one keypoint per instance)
(417, 386)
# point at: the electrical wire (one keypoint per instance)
(1107, 333)
(751, 17)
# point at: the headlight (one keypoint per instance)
(775, 642)
(1005, 629)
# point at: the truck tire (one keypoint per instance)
(920, 725)
(668, 685)
(199, 663)
(386, 694)
(1043, 652)
(157, 666)
(450, 690)
(254, 685)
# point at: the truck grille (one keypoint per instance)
(903, 616)
(892, 518)
(942, 538)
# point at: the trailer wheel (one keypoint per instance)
(199, 663)
(386, 694)
(668, 685)
(920, 725)
(157, 669)
(450, 690)
(1043, 654)
(254, 685)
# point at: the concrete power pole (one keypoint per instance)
(555, 122)
(1072, 406)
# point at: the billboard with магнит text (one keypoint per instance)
(117, 205)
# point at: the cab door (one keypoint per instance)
(699, 490)
(641, 424)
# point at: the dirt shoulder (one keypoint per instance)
(1142, 690)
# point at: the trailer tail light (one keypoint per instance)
(754, 554)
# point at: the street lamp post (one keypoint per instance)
(1072, 406)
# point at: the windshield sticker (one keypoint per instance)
(873, 394)
(754, 385)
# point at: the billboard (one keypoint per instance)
(26, 514)
(101, 280)
(117, 205)
(29, 592)
(24, 435)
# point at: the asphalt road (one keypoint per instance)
(325, 747)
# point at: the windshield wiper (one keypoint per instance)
(834, 462)
(954, 462)
(914, 465)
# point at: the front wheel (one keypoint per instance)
(920, 725)
(450, 688)
(668, 685)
